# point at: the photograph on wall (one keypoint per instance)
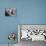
(29, 34)
(10, 11)
(12, 38)
(33, 32)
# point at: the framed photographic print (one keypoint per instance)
(32, 32)
(10, 11)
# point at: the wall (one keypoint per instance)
(28, 12)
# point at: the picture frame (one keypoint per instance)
(10, 11)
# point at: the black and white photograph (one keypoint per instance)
(31, 34)
(10, 11)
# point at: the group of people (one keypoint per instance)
(10, 11)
